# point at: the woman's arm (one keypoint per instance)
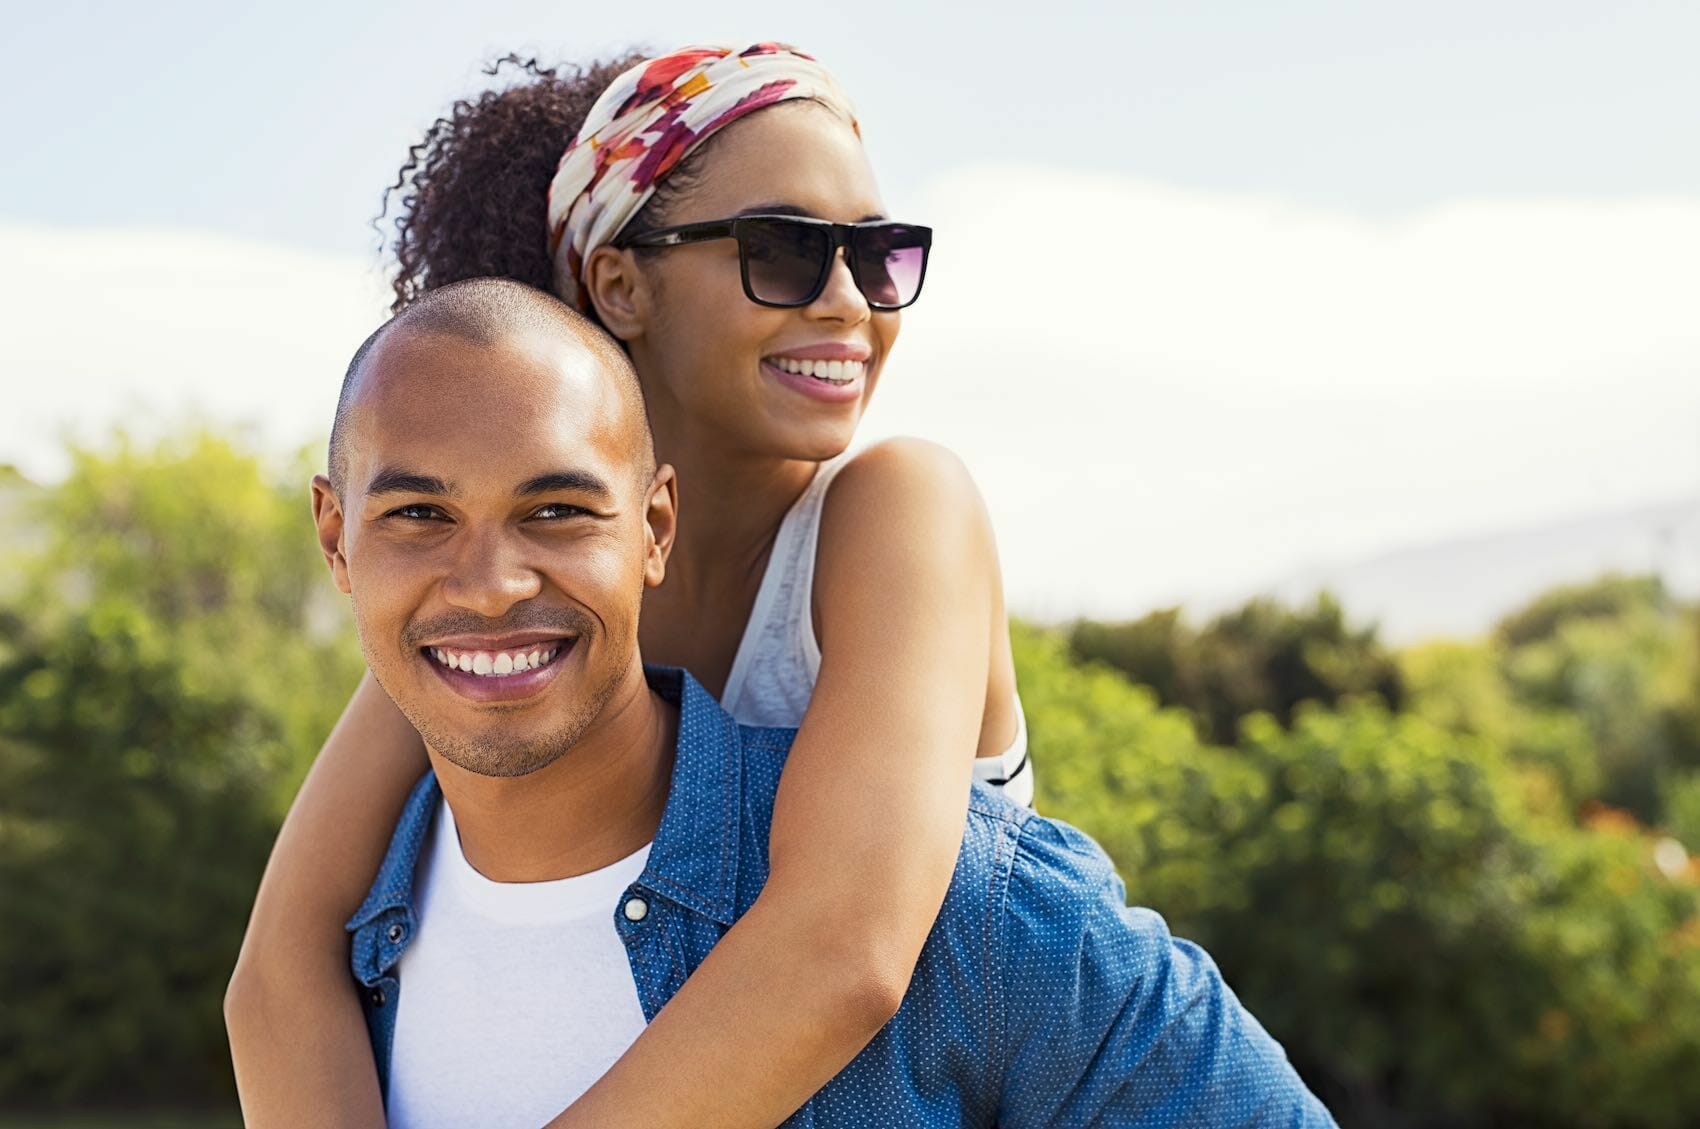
(297, 1035)
(868, 818)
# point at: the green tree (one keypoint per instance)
(1432, 948)
(1682, 809)
(1610, 597)
(173, 655)
(1261, 657)
(1463, 689)
(1623, 657)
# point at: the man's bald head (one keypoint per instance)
(490, 312)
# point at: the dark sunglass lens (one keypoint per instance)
(784, 259)
(890, 262)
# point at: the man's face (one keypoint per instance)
(496, 541)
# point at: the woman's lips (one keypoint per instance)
(499, 675)
(825, 351)
(822, 382)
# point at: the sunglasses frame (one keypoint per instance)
(841, 234)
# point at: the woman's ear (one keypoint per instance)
(661, 523)
(618, 291)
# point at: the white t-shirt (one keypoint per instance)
(515, 997)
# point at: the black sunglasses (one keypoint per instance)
(786, 260)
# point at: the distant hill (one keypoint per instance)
(1460, 587)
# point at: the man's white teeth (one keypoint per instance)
(834, 372)
(493, 664)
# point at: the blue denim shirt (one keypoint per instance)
(1040, 999)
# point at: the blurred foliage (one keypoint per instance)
(1441, 876)
(1682, 809)
(1258, 658)
(1462, 688)
(1623, 657)
(1609, 598)
(172, 657)
(1436, 910)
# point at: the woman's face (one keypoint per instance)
(715, 364)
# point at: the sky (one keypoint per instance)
(1220, 291)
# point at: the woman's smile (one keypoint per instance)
(835, 382)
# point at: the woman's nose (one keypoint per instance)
(842, 299)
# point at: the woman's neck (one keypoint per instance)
(730, 503)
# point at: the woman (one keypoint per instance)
(686, 216)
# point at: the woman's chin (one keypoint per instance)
(817, 440)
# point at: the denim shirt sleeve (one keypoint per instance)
(1109, 1020)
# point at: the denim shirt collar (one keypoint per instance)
(693, 861)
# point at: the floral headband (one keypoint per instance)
(645, 123)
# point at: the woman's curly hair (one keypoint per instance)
(472, 199)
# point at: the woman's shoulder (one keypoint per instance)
(904, 509)
(903, 472)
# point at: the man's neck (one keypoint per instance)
(597, 803)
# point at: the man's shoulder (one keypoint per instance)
(765, 749)
(1049, 891)
(392, 887)
(1036, 843)
(770, 741)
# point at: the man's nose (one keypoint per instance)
(490, 575)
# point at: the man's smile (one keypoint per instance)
(499, 670)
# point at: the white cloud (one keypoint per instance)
(1166, 394)
(1163, 393)
(148, 327)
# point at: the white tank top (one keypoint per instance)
(778, 660)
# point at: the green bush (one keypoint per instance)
(1611, 597)
(1462, 688)
(173, 656)
(1431, 950)
(1682, 809)
(1623, 659)
(1261, 657)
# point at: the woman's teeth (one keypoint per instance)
(495, 664)
(833, 372)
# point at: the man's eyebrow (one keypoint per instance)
(570, 481)
(794, 210)
(396, 480)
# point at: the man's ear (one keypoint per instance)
(618, 291)
(327, 515)
(661, 524)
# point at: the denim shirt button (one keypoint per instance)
(636, 909)
(397, 932)
(377, 997)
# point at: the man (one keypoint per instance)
(589, 830)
